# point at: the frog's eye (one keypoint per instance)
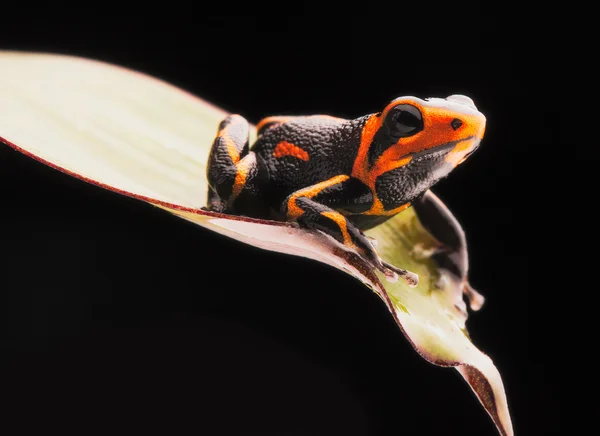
(406, 120)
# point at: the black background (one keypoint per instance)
(121, 318)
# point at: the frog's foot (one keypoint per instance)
(475, 299)
(365, 245)
(392, 273)
(302, 208)
(214, 202)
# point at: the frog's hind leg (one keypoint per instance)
(451, 255)
(230, 164)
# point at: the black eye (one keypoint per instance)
(406, 120)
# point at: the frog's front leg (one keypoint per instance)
(451, 255)
(322, 207)
(230, 165)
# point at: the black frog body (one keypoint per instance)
(343, 176)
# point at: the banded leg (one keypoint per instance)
(452, 254)
(229, 163)
(321, 207)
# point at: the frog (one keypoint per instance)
(343, 176)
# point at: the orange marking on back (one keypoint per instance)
(285, 148)
(342, 224)
(309, 192)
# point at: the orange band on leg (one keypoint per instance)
(340, 220)
(243, 169)
(294, 211)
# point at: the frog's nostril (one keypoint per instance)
(456, 123)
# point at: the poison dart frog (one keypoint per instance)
(343, 176)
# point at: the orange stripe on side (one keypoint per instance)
(397, 210)
(294, 211)
(378, 209)
(383, 166)
(368, 175)
(339, 219)
(285, 148)
(360, 168)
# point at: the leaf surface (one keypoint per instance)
(139, 136)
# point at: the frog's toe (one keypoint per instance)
(214, 207)
(391, 276)
(475, 299)
(392, 273)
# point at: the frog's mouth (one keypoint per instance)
(445, 149)
(474, 147)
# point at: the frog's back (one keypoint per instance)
(306, 150)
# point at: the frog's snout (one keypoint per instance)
(468, 116)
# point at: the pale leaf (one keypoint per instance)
(144, 138)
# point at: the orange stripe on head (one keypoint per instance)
(453, 121)
(445, 121)
(361, 169)
(285, 148)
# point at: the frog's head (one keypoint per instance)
(449, 129)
